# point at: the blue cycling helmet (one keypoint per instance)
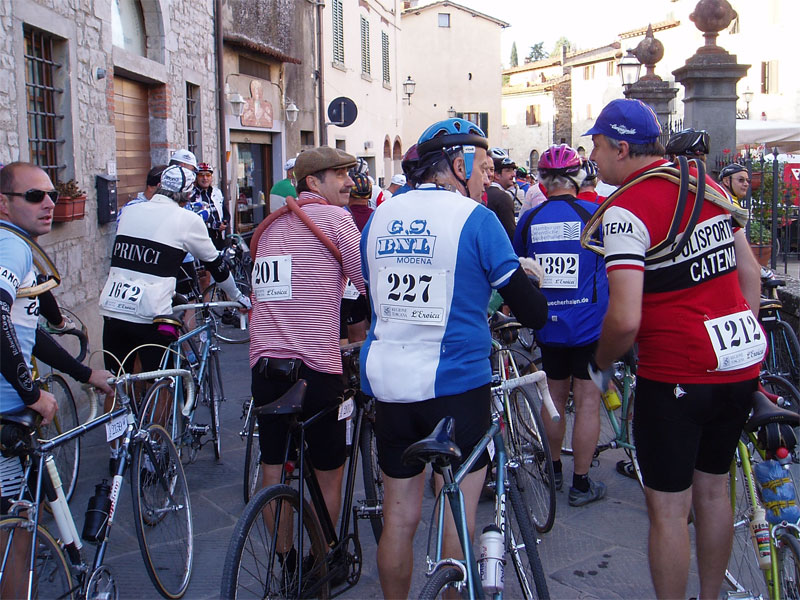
(453, 133)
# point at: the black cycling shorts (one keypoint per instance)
(121, 337)
(680, 428)
(562, 362)
(326, 437)
(352, 312)
(400, 424)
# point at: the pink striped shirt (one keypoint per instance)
(307, 325)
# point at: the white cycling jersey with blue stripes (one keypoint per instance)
(430, 259)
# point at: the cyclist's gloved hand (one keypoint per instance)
(244, 301)
(66, 325)
(600, 377)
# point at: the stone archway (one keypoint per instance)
(397, 156)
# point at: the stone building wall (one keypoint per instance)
(181, 50)
(562, 124)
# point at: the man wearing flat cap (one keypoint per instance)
(681, 287)
(301, 262)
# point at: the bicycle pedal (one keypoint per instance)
(367, 511)
(198, 429)
(744, 595)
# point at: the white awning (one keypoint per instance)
(784, 135)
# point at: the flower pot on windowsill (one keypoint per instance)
(69, 209)
(755, 180)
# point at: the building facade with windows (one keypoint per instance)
(359, 62)
(452, 78)
(106, 88)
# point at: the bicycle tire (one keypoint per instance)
(526, 338)
(373, 477)
(252, 460)
(783, 357)
(780, 386)
(229, 332)
(54, 580)
(526, 362)
(439, 581)
(788, 553)
(743, 573)
(247, 572)
(520, 527)
(67, 456)
(162, 512)
(214, 398)
(158, 407)
(530, 459)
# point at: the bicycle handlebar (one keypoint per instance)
(83, 339)
(185, 374)
(179, 308)
(540, 379)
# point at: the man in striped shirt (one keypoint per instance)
(294, 331)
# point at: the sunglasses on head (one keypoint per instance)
(35, 196)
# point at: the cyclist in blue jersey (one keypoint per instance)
(576, 288)
(430, 262)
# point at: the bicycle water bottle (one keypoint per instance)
(94, 527)
(611, 399)
(491, 562)
(759, 531)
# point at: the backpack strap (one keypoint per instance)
(46, 267)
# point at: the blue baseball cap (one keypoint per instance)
(631, 121)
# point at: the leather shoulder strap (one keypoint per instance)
(41, 261)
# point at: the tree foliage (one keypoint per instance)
(562, 41)
(537, 52)
(514, 58)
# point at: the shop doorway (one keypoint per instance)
(253, 182)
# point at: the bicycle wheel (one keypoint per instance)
(252, 460)
(68, 455)
(373, 477)
(441, 580)
(743, 573)
(530, 460)
(228, 326)
(783, 357)
(631, 452)
(214, 397)
(789, 566)
(521, 544)
(51, 574)
(162, 512)
(259, 564)
(158, 407)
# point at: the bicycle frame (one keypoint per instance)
(452, 490)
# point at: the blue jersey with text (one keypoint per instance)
(574, 282)
(430, 262)
(16, 271)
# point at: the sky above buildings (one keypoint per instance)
(588, 23)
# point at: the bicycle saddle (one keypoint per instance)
(438, 448)
(501, 322)
(27, 417)
(773, 283)
(769, 303)
(765, 412)
(290, 403)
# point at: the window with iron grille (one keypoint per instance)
(192, 118)
(338, 31)
(385, 57)
(769, 77)
(479, 119)
(43, 105)
(365, 46)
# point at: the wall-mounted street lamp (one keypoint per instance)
(237, 104)
(291, 112)
(409, 85)
(629, 68)
(451, 113)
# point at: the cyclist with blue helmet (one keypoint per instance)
(427, 352)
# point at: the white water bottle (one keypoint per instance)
(759, 531)
(491, 561)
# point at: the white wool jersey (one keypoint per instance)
(152, 240)
(430, 262)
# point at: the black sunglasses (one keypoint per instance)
(35, 196)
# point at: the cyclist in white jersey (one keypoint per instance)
(430, 262)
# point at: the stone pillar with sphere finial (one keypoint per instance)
(709, 78)
(650, 88)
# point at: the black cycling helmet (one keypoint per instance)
(362, 188)
(731, 169)
(689, 143)
(501, 159)
(590, 168)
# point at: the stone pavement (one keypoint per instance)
(598, 551)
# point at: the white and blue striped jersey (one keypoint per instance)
(430, 260)
(16, 271)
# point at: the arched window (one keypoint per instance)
(127, 26)
(534, 160)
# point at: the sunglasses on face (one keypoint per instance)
(35, 196)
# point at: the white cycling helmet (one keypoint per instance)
(177, 179)
(185, 157)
